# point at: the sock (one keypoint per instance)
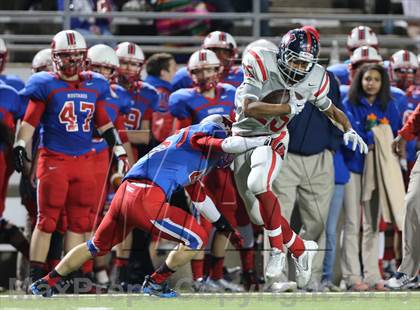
(101, 274)
(162, 273)
(52, 263)
(292, 241)
(37, 270)
(207, 264)
(216, 268)
(53, 278)
(87, 267)
(197, 269)
(121, 262)
(247, 259)
(271, 214)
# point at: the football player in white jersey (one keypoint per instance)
(294, 69)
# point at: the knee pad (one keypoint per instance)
(46, 224)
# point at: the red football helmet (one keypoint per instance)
(68, 49)
(204, 68)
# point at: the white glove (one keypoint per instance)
(296, 105)
(353, 137)
(121, 155)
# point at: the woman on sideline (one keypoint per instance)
(368, 103)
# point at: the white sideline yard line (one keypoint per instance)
(389, 294)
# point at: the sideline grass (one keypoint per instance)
(260, 301)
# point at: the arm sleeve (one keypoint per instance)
(255, 74)
(34, 112)
(411, 129)
(321, 100)
(101, 116)
(119, 125)
(203, 202)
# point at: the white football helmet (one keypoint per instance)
(103, 56)
(42, 61)
(3, 54)
(261, 43)
(68, 49)
(130, 53)
(403, 66)
(203, 59)
(365, 54)
(360, 36)
(219, 41)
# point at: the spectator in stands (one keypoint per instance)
(88, 26)
(412, 8)
(368, 104)
(180, 26)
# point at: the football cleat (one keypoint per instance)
(275, 264)
(221, 285)
(162, 290)
(398, 281)
(303, 263)
(41, 287)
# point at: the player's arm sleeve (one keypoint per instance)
(232, 145)
(119, 125)
(101, 116)
(34, 112)
(320, 96)
(255, 74)
(411, 128)
(203, 202)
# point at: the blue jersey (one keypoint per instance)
(145, 101)
(176, 163)
(341, 71)
(413, 99)
(187, 103)
(182, 78)
(68, 109)
(9, 107)
(13, 81)
(119, 101)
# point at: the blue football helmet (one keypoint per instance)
(298, 54)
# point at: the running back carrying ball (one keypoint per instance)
(280, 96)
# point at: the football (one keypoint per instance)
(279, 96)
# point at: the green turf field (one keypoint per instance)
(260, 301)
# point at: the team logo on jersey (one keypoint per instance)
(249, 71)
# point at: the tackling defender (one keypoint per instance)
(141, 201)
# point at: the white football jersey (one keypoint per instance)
(262, 76)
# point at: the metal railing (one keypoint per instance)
(17, 42)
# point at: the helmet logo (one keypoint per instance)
(131, 49)
(71, 39)
(290, 37)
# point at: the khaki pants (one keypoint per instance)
(411, 232)
(353, 211)
(309, 182)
